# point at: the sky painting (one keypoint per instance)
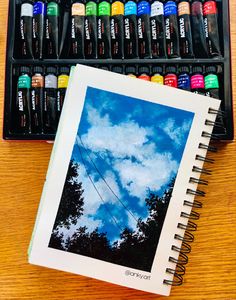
(127, 148)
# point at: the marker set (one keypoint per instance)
(39, 99)
(118, 29)
(180, 39)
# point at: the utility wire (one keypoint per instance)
(125, 207)
(100, 196)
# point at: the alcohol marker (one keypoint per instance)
(26, 28)
(212, 89)
(157, 76)
(77, 28)
(172, 32)
(91, 30)
(171, 77)
(38, 28)
(131, 30)
(211, 27)
(23, 101)
(197, 81)
(37, 90)
(144, 32)
(52, 29)
(158, 38)
(117, 29)
(184, 78)
(50, 101)
(211, 82)
(63, 80)
(104, 32)
(185, 32)
(198, 30)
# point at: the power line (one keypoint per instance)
(114, 220)
(125, 207)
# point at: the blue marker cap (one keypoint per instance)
(184, 81)
(39, 8)
(144, 8)
(130, 8)
(170, 8)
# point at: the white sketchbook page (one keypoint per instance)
(84, 76)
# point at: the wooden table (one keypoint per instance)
(211, 272)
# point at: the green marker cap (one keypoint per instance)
(104, 9)
(211, 82)
(24, 82)
(53, 9)
(91, 8)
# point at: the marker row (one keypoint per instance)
(40, 98)
(41, 91)
(198, 80)
(119, 29)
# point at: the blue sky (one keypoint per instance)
(129, 148)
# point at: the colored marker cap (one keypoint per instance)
(170, 69)
(104, 8)
(64, 70)
(24, 69)
(51, 70)
(130, 70)
(38, 69)
(210, 70)
(117, 69)
(157, 70)
(184, 69)
(197, 70)
(143, 70)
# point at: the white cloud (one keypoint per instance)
(95, 119)
(110, 138)
(133, 154)
(133, 162)
(176, 133)
(152, 173)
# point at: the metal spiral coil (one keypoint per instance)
(179, 270)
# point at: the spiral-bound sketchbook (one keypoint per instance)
(122, 180)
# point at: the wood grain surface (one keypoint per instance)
(211, 271)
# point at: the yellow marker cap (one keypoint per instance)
(63, 81)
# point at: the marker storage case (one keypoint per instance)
(15, 61)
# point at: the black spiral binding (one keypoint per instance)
(191, 226)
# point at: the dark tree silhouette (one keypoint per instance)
(92, 244)
(135, 249)
(56, 240)
(71, 205)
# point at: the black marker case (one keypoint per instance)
(14, 61)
